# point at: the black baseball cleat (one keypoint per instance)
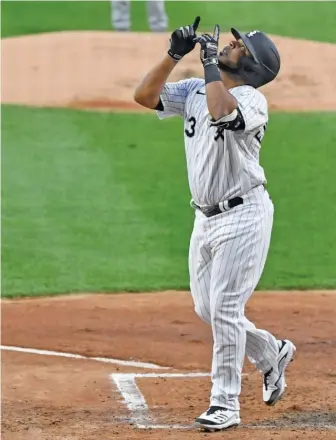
(274, 380)
(217, 418)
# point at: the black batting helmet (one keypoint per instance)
(263, 65)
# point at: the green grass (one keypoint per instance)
(91, 202)
(311, 20)
(99, 202)
(299, 158)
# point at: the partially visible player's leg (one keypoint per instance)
(120, 15)
(157, 17)
(271, 357)
(200, 269)
(261, 347)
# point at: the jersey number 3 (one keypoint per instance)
(191, 131)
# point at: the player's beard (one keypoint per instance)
(228, 66)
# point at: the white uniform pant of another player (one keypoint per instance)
(226, 259)
(121, 15)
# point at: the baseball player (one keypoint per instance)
(121, 16)
(225, 119)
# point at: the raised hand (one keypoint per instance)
(209, 47)
(183, 40)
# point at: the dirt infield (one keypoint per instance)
(54, 398)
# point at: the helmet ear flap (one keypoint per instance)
(248, 64)
(251, 72)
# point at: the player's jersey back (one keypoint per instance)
(221, 163)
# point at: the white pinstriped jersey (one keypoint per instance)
(221, 164)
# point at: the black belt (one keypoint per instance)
(221, 207)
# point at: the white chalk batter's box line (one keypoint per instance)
(140, 415)
(104, 360)
(135, 401)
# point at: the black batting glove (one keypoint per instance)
(182, 40)
(209, 47)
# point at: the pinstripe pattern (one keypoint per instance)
(228, 251)
(216, 171)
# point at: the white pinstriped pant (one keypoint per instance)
(226, 259)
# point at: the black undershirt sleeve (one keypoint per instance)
(159, 106)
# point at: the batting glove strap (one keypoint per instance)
(175, 56)
(211, 73)
(210, 62)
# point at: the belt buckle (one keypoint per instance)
(207, 211)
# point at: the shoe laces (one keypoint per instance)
(215, 410)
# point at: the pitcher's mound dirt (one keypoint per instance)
(54, 398)
(100, 70)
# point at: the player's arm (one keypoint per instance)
(220, 101)
(148, 91)
(182, 41)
